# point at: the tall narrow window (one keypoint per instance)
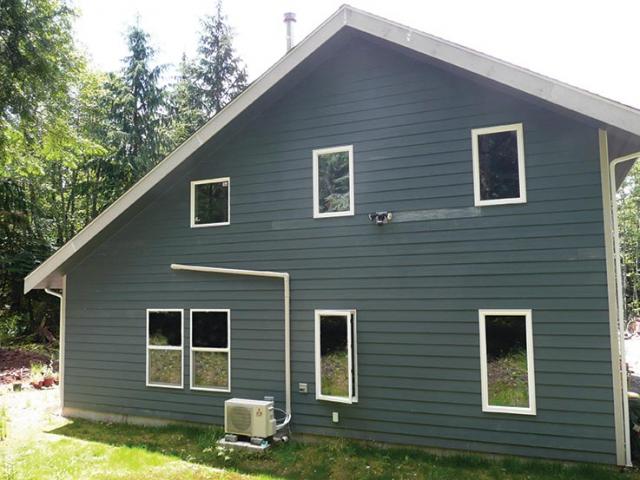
(506, 361)
(210, 350)
(164, 348)
(333, 182)
(336, 366)
(210, 206)
(498, 165)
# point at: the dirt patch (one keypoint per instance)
(15, 365)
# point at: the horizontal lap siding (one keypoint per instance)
(416, 283)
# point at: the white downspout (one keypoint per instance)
(287, 312)
(62, 333)
(620, 296)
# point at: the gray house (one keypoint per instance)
(398, 238)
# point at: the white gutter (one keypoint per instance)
(287, 308)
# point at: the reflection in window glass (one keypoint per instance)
(333, 181)
(164, 348)
(165, 328)
(335, 356)
(498, 164)
(507, 360)
(209, 329)
(210, 350)
(210, 369)
(165, 367)
(211, 203)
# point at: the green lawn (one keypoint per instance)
(44, 446)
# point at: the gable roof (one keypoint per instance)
(607, 111)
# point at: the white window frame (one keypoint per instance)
(352, 349)
(531, 409)
(522, 177)
(316, 193)
(195, 183)
(165, 347)
(226, 350)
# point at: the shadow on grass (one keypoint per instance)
(331, 458)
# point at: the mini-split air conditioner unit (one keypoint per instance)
(251, 418)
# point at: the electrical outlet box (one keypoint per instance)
(335, 417)
(303, 388)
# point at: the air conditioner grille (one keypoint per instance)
(240, 418)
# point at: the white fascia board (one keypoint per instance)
(572, 98)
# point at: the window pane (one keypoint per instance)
(165, 367)
(165, 328)
(211, 203)
(334, 356)
(333, 182)
(498, 162)
(209, 329)
(210, 369)
(507, 373)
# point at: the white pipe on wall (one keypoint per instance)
(287, 311)
(61, 347)
(620, 294)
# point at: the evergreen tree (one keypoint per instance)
(184, 108)
(218, 75)
(137, 112)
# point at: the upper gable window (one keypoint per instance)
(498, 165)
(210, 204)
(333, 182)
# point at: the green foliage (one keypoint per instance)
(210, 81)
(4, 418)
(629, 227)
(217, 74)
(73, 140)
(333, 182)
(210, 369)
(508, 380)
(335, 374)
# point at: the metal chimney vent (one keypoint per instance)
(289, 19)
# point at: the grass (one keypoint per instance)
(508, 383)
(44, 446)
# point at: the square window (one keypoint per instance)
(333, 182)
(164, 348)
(498, 165)
(506, 362)
(336, 370)
(210, 205)
(210, 350)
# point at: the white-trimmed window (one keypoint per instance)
(498, 165)
(336, 356)
(506, 362)
(165, 362)
(333, 182)
(210, 350)
(210, 202)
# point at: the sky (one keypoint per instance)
(587, 43)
